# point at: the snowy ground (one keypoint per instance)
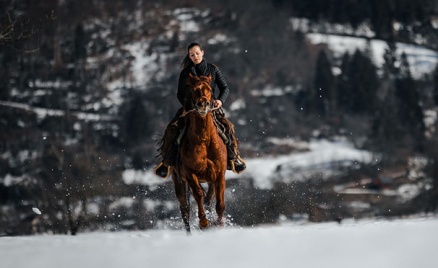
(400, 243)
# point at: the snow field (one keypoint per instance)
(399, 243)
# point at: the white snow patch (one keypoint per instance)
(185, 17)
(408, 191)
(36, 210)
(305, 25)
(359, 205)
(219, 38)
(123, 202)
(322, 153)
(238, 105)
(10, 180)
(271, 90)
(131, 176)
(43, 112)
(144, 67)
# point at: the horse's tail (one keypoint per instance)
(159, 141)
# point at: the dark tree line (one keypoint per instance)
(379, 13)
(392, 102)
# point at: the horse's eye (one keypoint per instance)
(199, 104)
(208, 103)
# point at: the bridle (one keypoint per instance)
(210, 105)
(210, 108)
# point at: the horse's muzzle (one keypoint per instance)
(203, 107)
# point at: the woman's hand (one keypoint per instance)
(217, 103)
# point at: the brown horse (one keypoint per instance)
(202, 156)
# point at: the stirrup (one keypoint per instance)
(233, 167)
(161, 172)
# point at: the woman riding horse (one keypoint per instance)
(202, 156)
(195, 65)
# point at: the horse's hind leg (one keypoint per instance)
(209, 196)
(183, 195)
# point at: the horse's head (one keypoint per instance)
(201, 93)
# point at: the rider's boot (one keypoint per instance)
(235, 162)
(163, 169)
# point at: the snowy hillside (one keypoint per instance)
(389, 244)
(421, 60)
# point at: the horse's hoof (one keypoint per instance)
(203, 223)
(219, 222)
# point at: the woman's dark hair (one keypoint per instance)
(187, 61)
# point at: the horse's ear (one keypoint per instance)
(192, 79)
(206, 78)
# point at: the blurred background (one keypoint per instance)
(87, 87)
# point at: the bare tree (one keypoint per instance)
(13, 31)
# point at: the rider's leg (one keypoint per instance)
(168, 150)
(235, 162)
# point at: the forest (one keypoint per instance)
(78, 107)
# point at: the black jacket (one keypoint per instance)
(203, 69)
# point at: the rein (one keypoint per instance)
(211, 108)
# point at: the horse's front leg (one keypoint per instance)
(220, 200)
(183, 194)
(198, 194)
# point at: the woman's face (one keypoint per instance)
(196, 55)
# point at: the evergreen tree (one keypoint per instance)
(357, 86)
(404, 71)
(387, 133)
(410, 111)
(390, 61)
(137, 123)
(398, 123)
(364, 82)
(80, 52)
(435, 89)
(343, 84)
(6, 64)
(381, 18)
(323, 85)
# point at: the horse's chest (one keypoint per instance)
(194, 154)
